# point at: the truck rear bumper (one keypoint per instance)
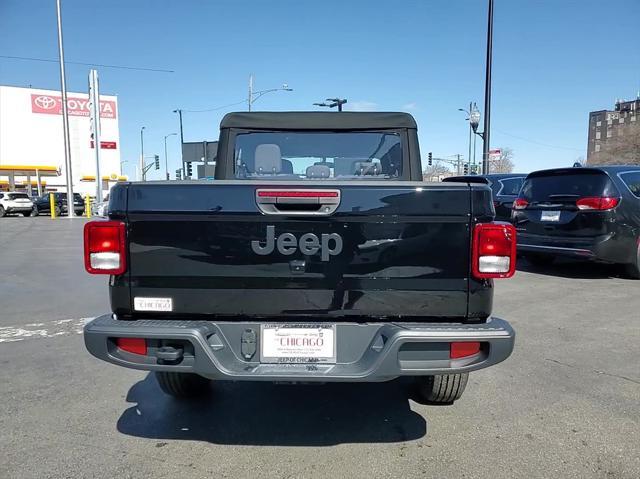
(364, 352)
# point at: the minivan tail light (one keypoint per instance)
(494, 250)
(520, 204)
(598, 203)
(104, 247)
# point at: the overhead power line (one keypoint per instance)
(216, 108)
(538, 142)
(102, 65)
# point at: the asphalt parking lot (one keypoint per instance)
(566, 404)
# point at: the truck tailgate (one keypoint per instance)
(390, 249)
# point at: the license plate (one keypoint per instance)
(550, 216)
(298, 343)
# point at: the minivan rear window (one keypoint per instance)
(567, 186)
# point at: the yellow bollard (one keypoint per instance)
(87, 206)
(52, 205)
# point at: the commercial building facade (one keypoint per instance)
(32, 144)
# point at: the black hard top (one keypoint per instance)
(317, 120)
(589, 169)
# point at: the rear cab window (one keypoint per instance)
(566, 187)
(321, 155)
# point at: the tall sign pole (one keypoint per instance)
(65, 116)
(94, 115)
(487, 93)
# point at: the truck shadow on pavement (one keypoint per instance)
(574, 269)
(245, 413)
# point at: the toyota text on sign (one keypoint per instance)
(76, 106)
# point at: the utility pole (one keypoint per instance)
(65, 116)
(94, 100)
(166, 156)
(142, 175)
(179, 112)
(250, 97)
(487, 92)
(470, 133)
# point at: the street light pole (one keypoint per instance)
(179, 112)
(166, 161)
(65, 116)
(254, 95)
(487, 92)
(142, 175)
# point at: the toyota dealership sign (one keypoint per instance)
(76, 106)
(31, 134)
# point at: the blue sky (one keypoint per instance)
(554, 61)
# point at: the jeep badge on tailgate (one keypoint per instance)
(309, 244)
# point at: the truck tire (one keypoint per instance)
(34, 211)
(182, 385)
(633, 269)
(442, 389)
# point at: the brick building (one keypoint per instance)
(607, 128)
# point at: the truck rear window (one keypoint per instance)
(318, 155)
(567, 186)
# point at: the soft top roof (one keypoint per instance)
(317, 120)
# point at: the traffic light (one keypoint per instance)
(465, 168)
(189, 169)
(179, 174)
(156, 159)
(430, 160)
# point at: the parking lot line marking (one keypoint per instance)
(51, 329)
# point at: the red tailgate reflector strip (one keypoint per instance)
(297, 194)
(132, 345)
(463, 349)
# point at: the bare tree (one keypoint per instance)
(621, 150)
(504, 164)
(435, 172)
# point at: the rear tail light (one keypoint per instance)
(463, 349)
(104, 247)
(494, 250)
(598, 203)
(520, 204)
(132, 345)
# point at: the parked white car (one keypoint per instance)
(12, 202)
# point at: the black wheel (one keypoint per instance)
(633, 269)
(2, 211)
(34, 211)
(442, 389)
(540, 259)
(182, 385)
(57, 210)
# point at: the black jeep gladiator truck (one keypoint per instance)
(316, 254)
